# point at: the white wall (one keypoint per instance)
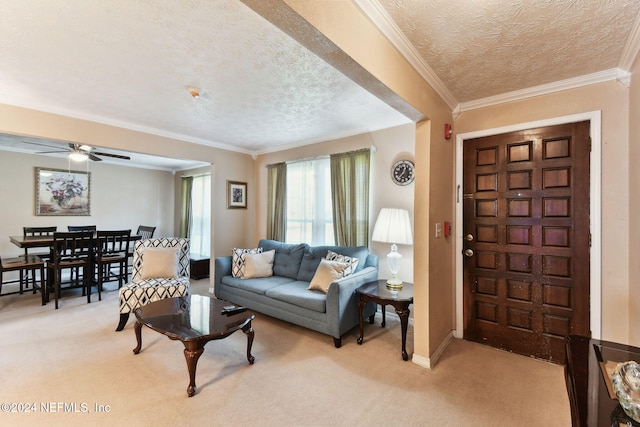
(121, 197)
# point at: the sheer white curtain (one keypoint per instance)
(309, 208)
(200, 229)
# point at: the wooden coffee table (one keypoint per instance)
(195, 320)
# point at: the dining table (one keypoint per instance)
(26, 242)
(43, 241)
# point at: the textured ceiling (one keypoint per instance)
(129, 63)
(490, 47)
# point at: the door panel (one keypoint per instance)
(526, 207)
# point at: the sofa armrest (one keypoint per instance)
(342, 308)
(222, 268)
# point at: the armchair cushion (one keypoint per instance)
(159, 262)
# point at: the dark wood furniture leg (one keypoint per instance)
(123, 321)
(403, 313)
(361, 304)
(192, 352)
(248, 330)
(138, 328)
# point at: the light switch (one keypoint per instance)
(438, 229)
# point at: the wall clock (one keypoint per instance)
(402, 172)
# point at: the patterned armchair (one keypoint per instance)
(145, 286)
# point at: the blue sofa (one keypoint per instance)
(285, 295)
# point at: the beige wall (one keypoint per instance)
(342, 23)
(634, 206)
(389, 146)
(111, 207)
(232, 227)
(611, 98)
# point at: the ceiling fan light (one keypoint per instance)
(78, 156)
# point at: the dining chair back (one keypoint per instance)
(112, 249)
(82, 227)
(24, 265)
(38, 231)
(71, 251)
(145, 231)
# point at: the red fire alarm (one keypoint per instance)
(448, 131)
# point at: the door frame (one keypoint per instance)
(595, 172)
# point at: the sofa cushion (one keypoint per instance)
(287, 258)
(352, 263)
(258, 265)
(313, 256)
(237, 262)
(258, 286)
(327, 272)
(296, 293)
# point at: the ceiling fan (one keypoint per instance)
(79, 152)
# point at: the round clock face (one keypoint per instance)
(402, 172)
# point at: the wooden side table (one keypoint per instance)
(377, 292)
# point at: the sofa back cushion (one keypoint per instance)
(288, 257)
(313, 256)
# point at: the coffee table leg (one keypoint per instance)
(404, 322)
(138, 328)
(248, 330)
(192, 356)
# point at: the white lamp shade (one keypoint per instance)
(393, 226)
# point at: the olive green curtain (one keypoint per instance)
(350, 195)
(185, 206)
(276, 201)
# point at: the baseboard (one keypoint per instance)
(430, 362)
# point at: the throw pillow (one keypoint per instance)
(237, 263)
(159, 262)
(258, 265)
(327, 272)
(352, 262)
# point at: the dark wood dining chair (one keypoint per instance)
(82, 227)
(23, 265)
(38, 231)
(145, 231)
(71, 251)
(112, 249)
(44, 256)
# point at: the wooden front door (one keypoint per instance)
(526, 239)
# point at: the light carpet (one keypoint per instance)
(69, 367)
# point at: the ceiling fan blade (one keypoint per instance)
(117, 156)
(52, 152)
(94, 158)
(43, 145)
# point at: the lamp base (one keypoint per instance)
(394, 284)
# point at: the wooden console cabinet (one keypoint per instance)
(199, 266)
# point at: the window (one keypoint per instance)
(196, 213)
(309, 211)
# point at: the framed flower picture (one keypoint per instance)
(236, 195)
(62, 193)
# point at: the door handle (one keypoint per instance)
(468, 237)
(468, 252)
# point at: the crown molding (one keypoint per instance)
(373, 10)
(588, 79)
(631, 47)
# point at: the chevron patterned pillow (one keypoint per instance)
(237, 262)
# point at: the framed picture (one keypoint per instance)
(236, 195)
(61, 192)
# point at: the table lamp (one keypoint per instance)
(393, 226)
